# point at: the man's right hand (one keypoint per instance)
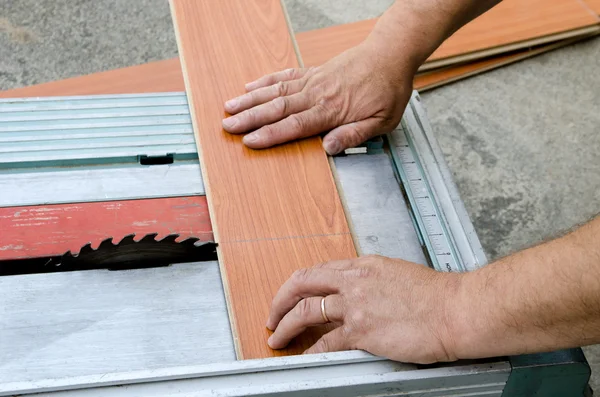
(353, 97)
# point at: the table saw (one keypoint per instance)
(110, 283)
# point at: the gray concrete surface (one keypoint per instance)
(523, 142)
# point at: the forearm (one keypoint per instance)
(410, 30)
(540, 299)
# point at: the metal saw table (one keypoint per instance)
(164, 331)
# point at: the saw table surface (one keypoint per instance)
(84, 323)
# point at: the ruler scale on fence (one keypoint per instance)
(426, 212)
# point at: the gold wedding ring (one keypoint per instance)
(323, 313)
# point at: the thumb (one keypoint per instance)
(350, 135)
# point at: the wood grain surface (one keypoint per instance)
(273, 211)
(160, 76)
(51, 230)
(166, 76)
(511, 25)
(522, 19)
(429, 80)
(594, 5)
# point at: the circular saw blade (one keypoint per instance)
(130, 253)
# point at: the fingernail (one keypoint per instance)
(232, 104)
(250, 139)
(332, 146)
(229, 123)
(250, 86)
(270, 341)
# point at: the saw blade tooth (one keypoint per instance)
(205, 242)
(169, 238)
(106, 243)
(190, 241)
(148, 238)
(85, 249)
(129, 239)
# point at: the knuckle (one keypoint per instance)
(281, 88)
(281, 105)
(303, 308)
(268, 132)
(356, 322)
(290, 73)
(249, 116)
(360, 272)
(355, 135)
(301, 275)
(348, 329)
(269, 80)
(297, 123)
(359, 293)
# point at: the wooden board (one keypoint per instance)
(52, 230)
(273, 211)
(161, 76)
(142, 78)
(594, 5)
(318, 46)
(511, 25)
(433, 79)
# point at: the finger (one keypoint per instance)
(270, 79)
(297, 125)
(350, 135)
(266, 113)
(333, 341)
(263, 95)
(306, 313)
(303, 283)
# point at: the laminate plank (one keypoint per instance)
(160, 76)
(320, 45)
(255, 271)
(511, 25)
(594, 5)
(516, 24)
(433, 79)
(286, 194)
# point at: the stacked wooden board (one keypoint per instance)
(511, 31)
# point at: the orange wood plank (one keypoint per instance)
(521, 17)
(144, 78)
(280, 198)
(428, 80)
(252, 292)
(524, 22)
(161, 76)
(594, 5)
(512, 23)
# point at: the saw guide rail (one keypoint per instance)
(384, 223)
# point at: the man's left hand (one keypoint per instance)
(388, 307)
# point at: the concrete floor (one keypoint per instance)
(523, 142)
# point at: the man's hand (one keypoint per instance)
(360, 93)
(388, 307)
(355, 96)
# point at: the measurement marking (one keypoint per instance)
(424, 207)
